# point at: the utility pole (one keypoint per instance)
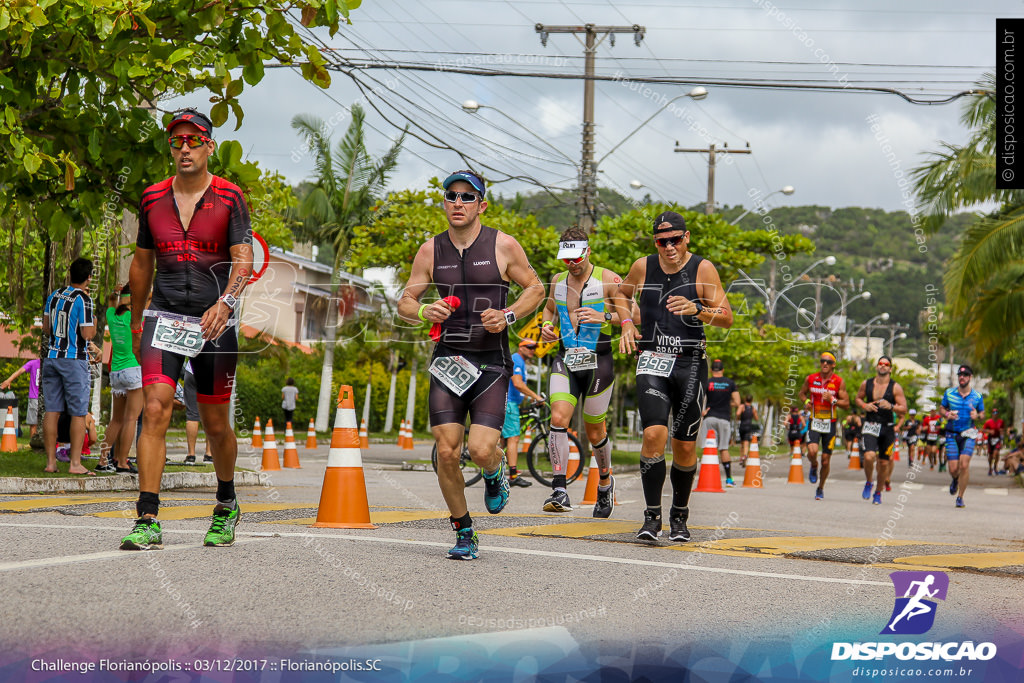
(586, 200)
(709, 208)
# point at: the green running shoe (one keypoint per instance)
(222, 529)
(144, 536)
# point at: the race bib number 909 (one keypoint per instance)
(657, 364)
(455, 372)
(181, 336)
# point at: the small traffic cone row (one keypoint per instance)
(752, 476)
(408, 445)
(271, 462)
(855, 457)
(709, 481)
(796, 466)
(257, 438)
(364, 435)
(343, 502)
(311, 435)
(291, 452)
(9, 443)
(574, 460)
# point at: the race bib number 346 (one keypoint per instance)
(183, 337)
(657, 364)
(455, 372)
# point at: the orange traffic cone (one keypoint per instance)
(401, 435)
(343, 502)
(524, 443)
(752, 476)
(9, 443)
(270, 457)
(364, 435)
(896, 451)
(311, 435)
(291, 453)
(710, 481)
(796, 466)
(257, 438)
(408, 445)
(593, 481)
(574, 460)
(855, 457)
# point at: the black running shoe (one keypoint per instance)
(605, 500)
(519, 480)
(677, 524)
(651, 530)
(558, 501)
(189, 460)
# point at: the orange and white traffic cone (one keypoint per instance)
(896, 451)
(401, 435)
(257, 438)
(291, 452)
(752, 476)
(524, 443)
(855, 457)
(270, 457)
(796, 466)
(9, 443)
(343, 502)
(574, 460)
(364, 435)
(710, 480)
(593, 481)
(408, 445)
(311, 435)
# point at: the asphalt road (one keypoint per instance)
(771, 575)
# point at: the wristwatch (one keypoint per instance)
(229, 301)
(700, 308)
(607, 317)
(510, 316)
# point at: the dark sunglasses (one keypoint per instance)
(194, 140)
(963, 374)
(827, 360)
(668, 241)
(464, 197)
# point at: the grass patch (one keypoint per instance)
(29, 463)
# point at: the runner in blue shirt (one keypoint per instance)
(961, 406)
(517, 387)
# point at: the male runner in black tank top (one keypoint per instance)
(880, 397)
(474, 263)
(679, 292)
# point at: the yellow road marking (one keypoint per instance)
(32, 503)
(568, 530)
(781, 545)
(381, 517)
(197, 511)
(974, 560)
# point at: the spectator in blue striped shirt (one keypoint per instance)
(68, 320)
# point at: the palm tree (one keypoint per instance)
(984, 282)
(348, 182)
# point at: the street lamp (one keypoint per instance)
(472, 107)
(893, 338)
(697, 94)
(773, 297)
(787, 190)
(843, 302)
(867, 332)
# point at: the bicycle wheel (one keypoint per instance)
(538, 459)
(470, 472)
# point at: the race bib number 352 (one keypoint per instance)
(181, 336)
(455, 372)
(579, 359)
(657, 364)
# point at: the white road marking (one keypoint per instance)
(997, 492)
(434, 544)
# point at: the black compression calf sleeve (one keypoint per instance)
(682, 482)
(148, 504)
(652, 476)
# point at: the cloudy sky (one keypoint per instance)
(820, 142)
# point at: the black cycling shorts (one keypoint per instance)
(681, 393)
(881, 444)
(483, 402)
(213, 368)
(827, 441)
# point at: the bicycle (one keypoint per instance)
(538, 458)
(471, 472)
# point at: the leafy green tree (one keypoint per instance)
(344, 191)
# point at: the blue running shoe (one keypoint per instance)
(952, 486)
(866, 493)
(496, 490)
(813, 476)
(819, 493)
(877, 500)
(960, 502)
(466, 545)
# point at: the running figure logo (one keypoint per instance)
(914, 613)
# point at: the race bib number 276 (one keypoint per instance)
(181, 336)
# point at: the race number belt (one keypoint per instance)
(455, 372)
(971, 433)
(654, 363)
(580, 358)
(821, 425)
(179, 334)
(872, 428)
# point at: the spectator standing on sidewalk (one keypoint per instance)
(32, 415)
(289, 392)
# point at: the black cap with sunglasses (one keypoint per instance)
(673, 219)
(196, 118)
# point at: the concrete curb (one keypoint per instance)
(119, 482)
